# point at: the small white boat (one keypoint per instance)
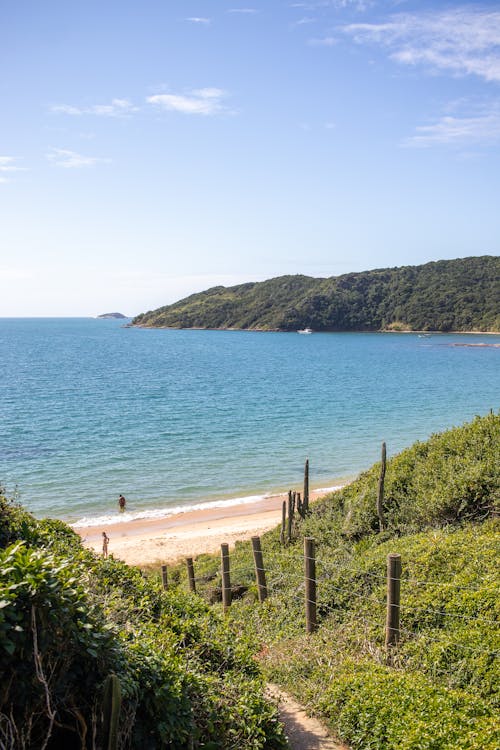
(305, 330)
(424, 335)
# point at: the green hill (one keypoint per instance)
(447, 295)
(441, 690)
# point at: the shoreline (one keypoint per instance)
(190, 533)
(281, 330)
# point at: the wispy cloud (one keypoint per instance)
(462, 41)
(199, 20)
(62, 157)
(117, 108)
(359, 5)
(8, 166)
(326, 41)
(247, 11)
(304, 21)
(480, 128)
(206, 101)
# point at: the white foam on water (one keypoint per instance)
(155, 513)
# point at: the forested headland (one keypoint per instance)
(446, 295)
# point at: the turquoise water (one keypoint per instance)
(90, 409)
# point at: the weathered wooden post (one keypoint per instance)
(305, 502)
(226, 579)
(290, 516)
(283, 523)
(260, 573)
(380, 496)
(190, 572)
(310, 582)
(164, 578)
(393, 601)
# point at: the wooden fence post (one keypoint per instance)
(226, 580)
(283, 523)
(393, 599)
(260, 573)
(164, 578)
(190, 570)
(310, 581)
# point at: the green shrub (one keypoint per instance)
(69, 619)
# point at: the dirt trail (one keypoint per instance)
(303, 732)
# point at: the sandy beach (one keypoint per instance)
(166, 540)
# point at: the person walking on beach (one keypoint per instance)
(121, 503)
(105, 542)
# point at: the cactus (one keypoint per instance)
(305, 503)
(283, 523)
(300, 506)
(291, 505)
(111, 705)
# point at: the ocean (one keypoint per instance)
(175, 420)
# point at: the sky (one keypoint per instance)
(152, 149)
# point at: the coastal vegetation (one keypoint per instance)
(439, 689)
(447, 295)
(96, 654)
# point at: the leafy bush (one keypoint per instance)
(375, 707)
(69, 619)
(452, 477)
(441, 505)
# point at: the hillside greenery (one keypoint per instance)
(191, 677)
(441, 689)
(69, 620)
(447, 295)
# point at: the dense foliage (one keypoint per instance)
(447, 295)
(68, 620)
(441, 691)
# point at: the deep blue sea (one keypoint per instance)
(90, 409)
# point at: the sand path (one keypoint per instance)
(302, 731)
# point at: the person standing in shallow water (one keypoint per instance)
(121, 503)
(105, 542)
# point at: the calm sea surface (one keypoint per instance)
(90, 409)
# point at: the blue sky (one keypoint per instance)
(156, 148)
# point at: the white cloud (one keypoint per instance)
(117, 108)
(198, 20)
(327, 41)
(304, 21)
(479, 128)
(206, 101)
(62, 157)
(359, 5)
(247, 11)
(7, 166)
(463, 40)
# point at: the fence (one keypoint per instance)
(267, 581)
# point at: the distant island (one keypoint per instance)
(118, 315)
(445, 295)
